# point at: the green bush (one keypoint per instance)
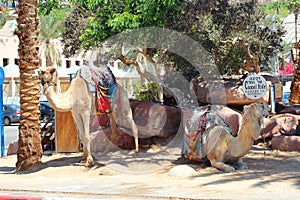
(148, 91)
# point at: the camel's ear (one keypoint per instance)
(52, 70)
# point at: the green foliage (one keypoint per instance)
(74, 23)
(110, 17)
(220, 21)
(293, 5)
(281, 7)
(148, 91)
(50, 5)
(4, 16)
(50, 28)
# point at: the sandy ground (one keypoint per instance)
(125, 175)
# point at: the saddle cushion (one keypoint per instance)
(102, 81)
(196, 130)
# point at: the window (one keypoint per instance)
(68, 63)
(16, 61)
(77, 62)
(5, 62)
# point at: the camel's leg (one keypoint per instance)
(126, 120)
(82, 124)
(221, 166)
(113, 126)
(135, 134)
(124, 114)
(87, 140)
(240, 164)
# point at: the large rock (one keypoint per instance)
(99, 121)
(101, 140)
(12, 148)
(226, 90)
(154, 119)
(283, 108)
(286, 143)
(282, 124)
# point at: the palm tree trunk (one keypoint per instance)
(30, 150)
(295, 87)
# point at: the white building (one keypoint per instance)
(9, 49)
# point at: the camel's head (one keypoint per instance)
(257, 110)
(48, 76)
(255, 113)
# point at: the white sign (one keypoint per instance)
(255, 86)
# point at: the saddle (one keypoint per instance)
(196, 131)
(102, 81)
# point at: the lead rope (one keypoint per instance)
(265, 148)
(265, 153)
(261, 123)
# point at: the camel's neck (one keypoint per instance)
(245, 138)
(59, 101)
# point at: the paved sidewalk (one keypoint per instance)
(122, 175)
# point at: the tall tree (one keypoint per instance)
(218, 21)
(107, 18)
(30, 150)
(50, 29)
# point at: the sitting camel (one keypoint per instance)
(81, 102)
(209, 137)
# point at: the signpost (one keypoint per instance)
(255, 86)
(2, 76)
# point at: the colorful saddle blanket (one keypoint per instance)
(196, 132)
(105, 83)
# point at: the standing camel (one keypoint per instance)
(210, 138)
(81, 102)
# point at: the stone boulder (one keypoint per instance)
(12, 148)
(283, 108)
(282, 124)
(101, 142)
(226, 90)
(154, 119)
(286, 143)
(99, 121)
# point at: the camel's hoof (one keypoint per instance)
(242, 167)
(229, 169)
(89, 164)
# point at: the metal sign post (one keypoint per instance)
(2, 76)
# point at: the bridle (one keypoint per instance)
(48, 84)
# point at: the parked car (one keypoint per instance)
(11, 114)
(46, 111)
